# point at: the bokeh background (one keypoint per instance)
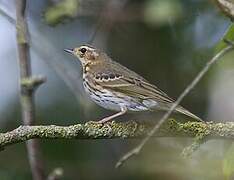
(166, 41)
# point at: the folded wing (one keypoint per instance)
(140, 90)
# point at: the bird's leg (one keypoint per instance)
(123, 111)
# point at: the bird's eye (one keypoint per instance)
(83, 50)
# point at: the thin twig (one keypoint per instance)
(138, 148)
(98, 25)
(103, 17)
(7, 16)
(27, 94)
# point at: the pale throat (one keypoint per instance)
(86, 68)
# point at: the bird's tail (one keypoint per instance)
(187, 113)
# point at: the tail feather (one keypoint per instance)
(154, 105)
(187, 113)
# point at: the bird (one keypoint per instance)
(115, 87)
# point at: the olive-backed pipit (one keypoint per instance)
(115, 87)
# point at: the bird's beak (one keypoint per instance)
(70, 51)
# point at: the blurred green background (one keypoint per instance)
(166, 41)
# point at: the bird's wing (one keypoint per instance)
(140, 90)
(131, 86)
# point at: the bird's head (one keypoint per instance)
(86, 54)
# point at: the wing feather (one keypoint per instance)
(133, 87)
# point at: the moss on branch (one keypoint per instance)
(130, 129)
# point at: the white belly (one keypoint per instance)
(108, 100)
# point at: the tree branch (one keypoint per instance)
(111, 130)
(28, 85)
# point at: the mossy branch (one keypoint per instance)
(131, 129)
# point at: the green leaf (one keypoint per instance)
(228, 35)
(160, 12)
(60, 11)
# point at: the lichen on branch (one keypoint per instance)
(110, 130)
